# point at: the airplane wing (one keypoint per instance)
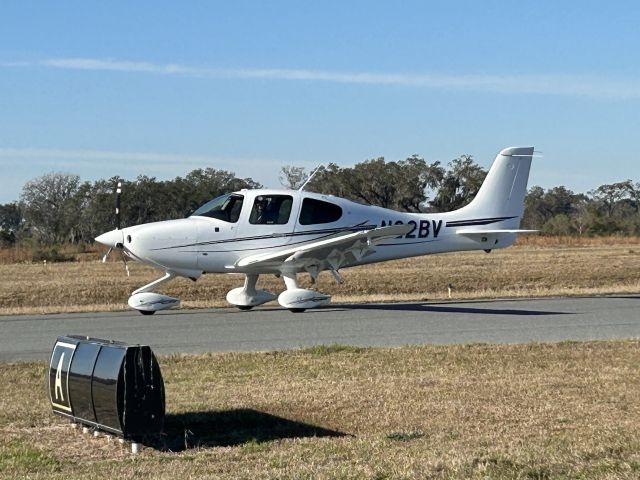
(329, 253)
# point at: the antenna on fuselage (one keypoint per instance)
(310, 177)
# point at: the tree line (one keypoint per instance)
(59, 208)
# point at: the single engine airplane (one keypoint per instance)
(288, 232)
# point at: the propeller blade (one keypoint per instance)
(106, 255)
(109, 238)
(124, 260)
(118, 192)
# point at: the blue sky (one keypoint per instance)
(159, 88)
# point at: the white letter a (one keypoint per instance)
(58, 384)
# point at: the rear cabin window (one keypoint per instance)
(316, 211)
(271, 210)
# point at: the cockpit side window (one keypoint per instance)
(317, 211)
(226, 208)
(271, 210)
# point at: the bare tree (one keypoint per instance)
(49, 206)
(293, 177)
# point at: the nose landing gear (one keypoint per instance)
(148, 302)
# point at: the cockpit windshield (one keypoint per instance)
(226, 208)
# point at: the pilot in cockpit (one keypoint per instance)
(260, 212)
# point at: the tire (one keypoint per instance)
(147, 312)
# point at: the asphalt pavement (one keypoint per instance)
(31, 337)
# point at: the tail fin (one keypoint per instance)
(500, 200)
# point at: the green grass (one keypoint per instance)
(18, 456)
(404, 436)
(332, 348)
(535, 411)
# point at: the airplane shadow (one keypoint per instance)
(184, 431)
(431, 308)
(624, 297)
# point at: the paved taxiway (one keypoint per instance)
(31, 337)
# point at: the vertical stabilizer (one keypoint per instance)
(501, 196)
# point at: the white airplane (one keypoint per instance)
(287, 232)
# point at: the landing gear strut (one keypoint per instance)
(247, 297)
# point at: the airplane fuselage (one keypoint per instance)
(201, 244)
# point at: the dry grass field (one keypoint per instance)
(536, 411)
(537, 266)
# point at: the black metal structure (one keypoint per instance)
(111, 386)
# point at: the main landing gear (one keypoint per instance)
(299, 299)
(247, 297)
(294, 298)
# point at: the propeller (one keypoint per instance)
(124, 260)
(118, 193)
(106, 255)
(118, 245)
